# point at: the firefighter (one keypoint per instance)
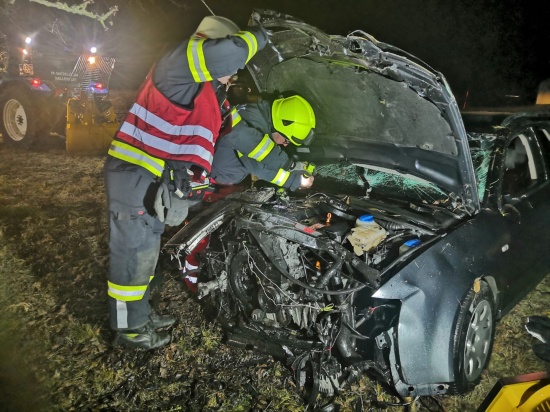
(159, 162)
(254, 144)
(254, 147)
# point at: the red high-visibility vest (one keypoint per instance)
(167, 131)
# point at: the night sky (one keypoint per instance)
(490, 49)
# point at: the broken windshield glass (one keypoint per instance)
(361, 181)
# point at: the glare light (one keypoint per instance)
(28, 40)
(36, 82)
(93, 49)
(25, 51)
(91, 59)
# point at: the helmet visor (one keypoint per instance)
(309, 138)
(305, 141)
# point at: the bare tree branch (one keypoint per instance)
(80, 9)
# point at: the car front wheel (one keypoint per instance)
(473, 337)
(17, 125)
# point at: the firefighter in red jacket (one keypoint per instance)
(159, 161)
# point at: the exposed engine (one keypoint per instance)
(284, 278)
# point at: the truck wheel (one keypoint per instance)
(473, 338)
(17, 125)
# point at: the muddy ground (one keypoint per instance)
(56, 350)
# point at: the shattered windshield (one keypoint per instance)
(360, 181)
(481, 148)
(356, 180)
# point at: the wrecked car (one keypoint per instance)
(418, 235)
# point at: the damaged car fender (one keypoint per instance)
(427, 317)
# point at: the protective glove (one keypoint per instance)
(186, 183)
(307, 168)
(169, 208)
(179, 182)
(177, 212)
(297, 167)
(162, 201)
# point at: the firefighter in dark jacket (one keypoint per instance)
(159, 161)
(253, 147)
(254, 144)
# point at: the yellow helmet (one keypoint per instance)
(294, 118)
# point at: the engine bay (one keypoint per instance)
(294, 278)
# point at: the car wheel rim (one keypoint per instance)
(15, 120)
(478, 340)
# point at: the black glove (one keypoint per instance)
(177, 178)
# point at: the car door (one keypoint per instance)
(525, 207)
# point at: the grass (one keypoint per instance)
(54, 336)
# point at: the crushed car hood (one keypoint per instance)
(375, 105)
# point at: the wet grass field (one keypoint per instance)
(55, 345)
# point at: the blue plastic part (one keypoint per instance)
(412, 242)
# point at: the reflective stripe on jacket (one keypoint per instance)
(165, 131)
(131, 154)
(198, 63)
(249, 149)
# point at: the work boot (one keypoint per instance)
(145, 338)
(539, 327)
(161, 321)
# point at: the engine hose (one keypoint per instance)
(392, 225)
(291, 279)
(330, 272)
(346, 341)
(356, 334)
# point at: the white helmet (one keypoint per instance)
(216, 27)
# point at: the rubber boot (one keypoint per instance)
(144, 338)
(161, 321)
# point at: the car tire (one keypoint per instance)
(473, 338)
(18, 123)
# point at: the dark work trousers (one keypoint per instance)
(134, 242)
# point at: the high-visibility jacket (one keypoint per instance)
(182, 122)
(155, 129)
(249, 149)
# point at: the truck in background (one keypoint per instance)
(46, 90)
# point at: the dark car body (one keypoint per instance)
(390, 142)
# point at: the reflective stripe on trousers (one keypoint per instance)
(134, 243)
